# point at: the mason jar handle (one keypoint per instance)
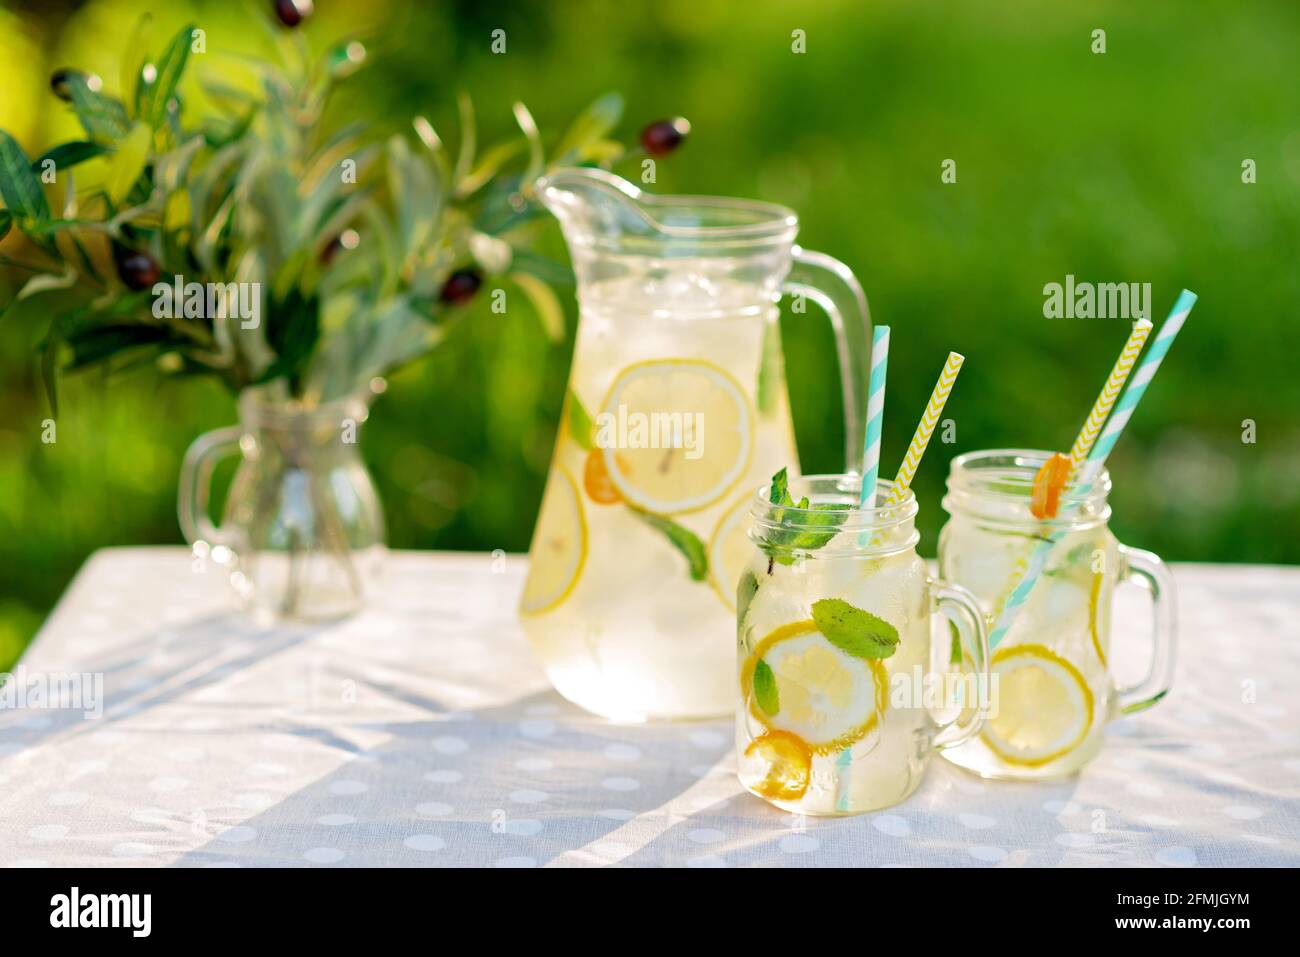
(196, 482)
(1153, 574)
(832, 285)
(974, 636)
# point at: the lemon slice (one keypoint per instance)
(729, 551)
(797, 682)
(656, 403)
(1093, 594)
(1045, 708)
(787, 765)
(559, 546)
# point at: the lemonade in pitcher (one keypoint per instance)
(676, 410)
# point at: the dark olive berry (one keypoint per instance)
(661, 138)
(292, 12)
(59, 83)
(138, 270)
(461, 286)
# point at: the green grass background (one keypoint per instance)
(1123, 166)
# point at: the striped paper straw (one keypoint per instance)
(1097, 457)
(867, 498)
(875, 415)
(1109, 392)
(1141, 379)
(925, 428)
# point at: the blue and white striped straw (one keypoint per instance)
(1123, 411)
(867, 497)
(1138, 383)
(875, 415)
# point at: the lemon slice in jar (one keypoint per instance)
(798, 682)
(787, 765)
(1044, 706)
(676, 434)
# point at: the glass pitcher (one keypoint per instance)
(302, 533)
(676, 410)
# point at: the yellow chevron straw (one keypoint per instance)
(925, 428)
(1110, 392)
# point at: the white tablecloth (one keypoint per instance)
(422, 732)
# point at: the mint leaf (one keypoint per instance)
(580, 424)
(745, 593)
(765, 689)
(780, 491)
(828, 514)
(769, 369)
(683, 539)
(955, 652)
(854, 631)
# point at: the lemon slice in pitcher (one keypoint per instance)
(559, 546)
(676, 434)
(729, 551)
(1045, 707)
(797, 682)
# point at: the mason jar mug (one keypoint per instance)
(841, 698)
(1052, 686)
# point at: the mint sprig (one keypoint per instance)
(681, 538)
(854, 631)
(765, 693)
(745, 593)
(580, 425)
(820, 526)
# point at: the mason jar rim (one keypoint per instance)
(998, 484)
(883, 529)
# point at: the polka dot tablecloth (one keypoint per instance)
(423, 732)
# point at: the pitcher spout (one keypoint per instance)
(597, 208)
(593, 202)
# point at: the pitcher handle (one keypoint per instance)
(1154, 575)
(832, 285)
(196, 482)
(974, 637)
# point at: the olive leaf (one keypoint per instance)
(67, 155)
(19, 186)
(589, 129)
(536, 155)
(545, 303)
(101, 116)
(128, 162)
(170, 66)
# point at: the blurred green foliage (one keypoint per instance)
(1122, 166)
